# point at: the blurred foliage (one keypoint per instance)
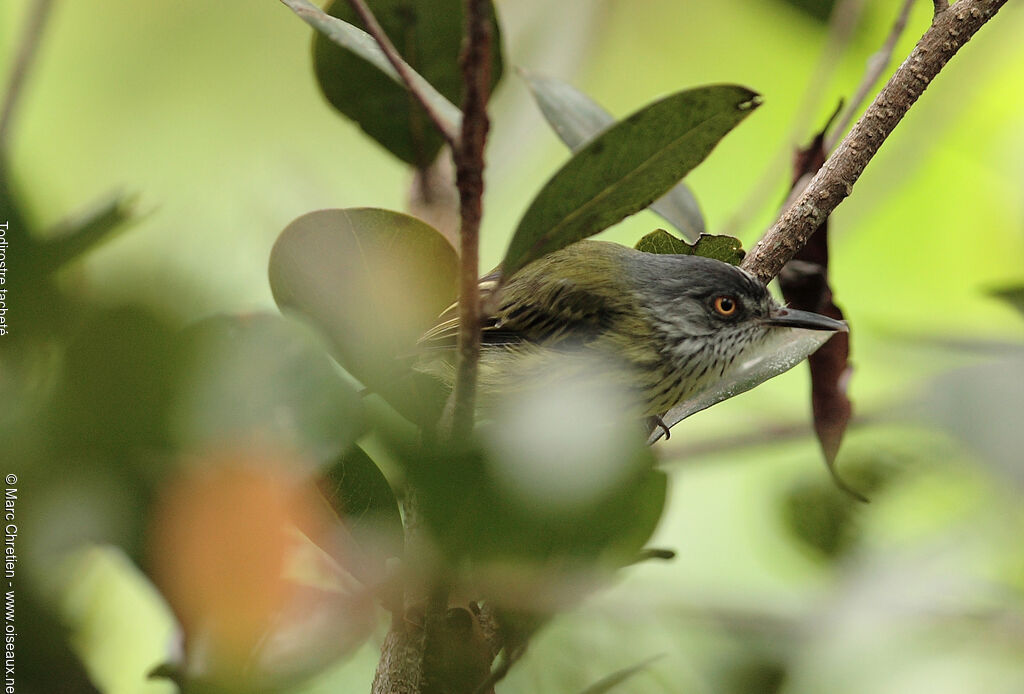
(111, 394)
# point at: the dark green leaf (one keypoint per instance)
(578, 119)
(473, 514)
(724, 248)
(371, 281)
(262, 379)
(613, 680)
(626, 168)
(358, 81)
(361, 496)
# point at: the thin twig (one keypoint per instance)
(877, 64)
(770, 434)
(949, 31)
(402, 68)
(469, 169)
(27, 50)
(841, 24)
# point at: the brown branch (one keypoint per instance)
(469, 168)
(402, 68)
(417, 652)
(949, 31)
(34, 25)
(876, 65)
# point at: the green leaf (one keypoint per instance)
(613, 680)
(262, 379)
(372, 281)
(578, 119)
(626, 168)
(725, 248)
(357, 79)
(473, 514)
(364, 501)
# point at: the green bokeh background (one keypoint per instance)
(210, 111)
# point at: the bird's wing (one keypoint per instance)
(553, 312)
(443, 333)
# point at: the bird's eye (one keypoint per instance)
(726, 305)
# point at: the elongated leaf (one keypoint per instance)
(626, 168)
(354, 81)
(725, 248)
(371, 281)
(578, 119)
(805, 285)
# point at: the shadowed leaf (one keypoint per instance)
(371, 281)
(626, 168)
(362, 498)
(805, 286)
(578, 119)
(360, 83)
(725, 248)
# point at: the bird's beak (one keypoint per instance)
(791, 318)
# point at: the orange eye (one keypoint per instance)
(725, 305)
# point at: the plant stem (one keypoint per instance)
(949, 31)
(469, 168)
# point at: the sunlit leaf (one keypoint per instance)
(371, 281)
(626, 168)
(577, 119)
(262, 379)
(725, 248)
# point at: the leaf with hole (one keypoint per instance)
(578, 119)
(725, 248)
(626, 168)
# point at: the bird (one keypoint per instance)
(668, 325)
